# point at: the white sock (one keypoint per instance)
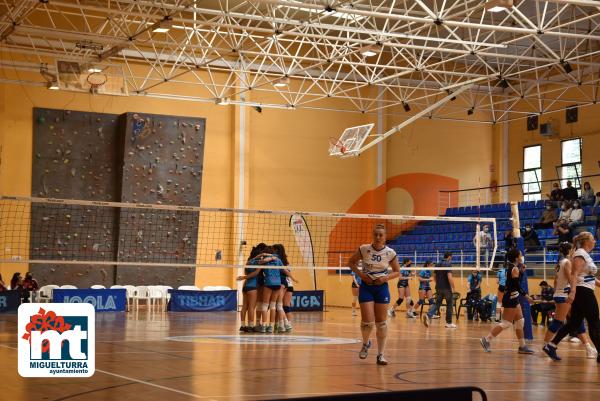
(521, 342)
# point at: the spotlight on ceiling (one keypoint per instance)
(52, 85)
(282, 82)
(222, 101)
(566, 66)
(406, 106)
(163, 25)
(471, 111)
(370, 51)
(496, 6)
(93, 69)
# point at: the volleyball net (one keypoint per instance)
(62, 232)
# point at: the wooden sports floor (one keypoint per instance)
(136, 360)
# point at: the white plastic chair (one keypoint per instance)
(68, 287)
(45, 293)
(131, 294)
(142, 293)
(221, 288)
(189, 288)
(116, 287)
(166, 295)
(156, 296)
(98, 287)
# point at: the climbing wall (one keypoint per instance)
(136, 158)
(74, 157)
(162, 164)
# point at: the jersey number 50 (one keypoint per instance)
(375, 258)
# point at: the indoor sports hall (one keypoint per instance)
(299, 199)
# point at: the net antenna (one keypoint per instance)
(350, 141)
(355, 150)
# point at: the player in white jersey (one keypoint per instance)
(374, 293)
(585, 305)
(563, 281)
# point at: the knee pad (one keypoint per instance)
(272, 305)
(262, 307)
(556, 325)
(519, 324)
(367, 324)
(287, 309)
(581, 328)
(431, 301)
(279, 306)
(505, 324)
(381, 325)
(355, 299)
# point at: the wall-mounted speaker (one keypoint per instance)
(532, 122)
(571, 114)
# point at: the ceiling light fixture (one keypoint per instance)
(163, 25)
(496, 6)
(282, 82)
(222, 101)
(52, 85)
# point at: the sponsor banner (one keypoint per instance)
(202, 301)
(56, 340)
(304, 242)
(308, 301)
(102, 300)
(9, 301)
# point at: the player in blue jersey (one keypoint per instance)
(374, 293)
(501, 275)
(249, 290)
(283, 313)
(404, 290)
(425, 291)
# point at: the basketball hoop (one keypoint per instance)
(96, 80)
(336, 146)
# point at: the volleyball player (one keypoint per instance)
(404, 291)
(355, 285)
(425, 291)
(501, 274)
(512, 315)
(282, 322)
(563, 282)
(584, 304)
(249, 291)
(374, 293)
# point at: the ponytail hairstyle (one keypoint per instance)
(566, 249)
(580, 239)
(280, 252)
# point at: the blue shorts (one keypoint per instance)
(424, 288)
(510, 300)
(581, 329)
(402, 283)
(560, 300)
(380, 294)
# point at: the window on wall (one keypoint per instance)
(532, 172)
(571, 168)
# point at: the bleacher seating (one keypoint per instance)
(427, 240)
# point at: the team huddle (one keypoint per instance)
(575, 299)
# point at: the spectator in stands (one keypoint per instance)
(565, 211)
(485, 243)
(570, 193)
(563, 232)
(577, 216)
(509, 240)
(530, 237)
(548, 218)
(544, 304)
(29, 284)
(587, 195)
(556, 195)
(2, 284)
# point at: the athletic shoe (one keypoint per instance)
(391, 312)
(411, 315)
(249, 329)
(281, 329)
(487, 347)
(364, 351)
(260, 329)
(436, 317)
(551, 352)
(525, 350)
(243, 328)
(269, 329)
(381, 360)
(590, 352)
(288, 327)
(574, 340)
(450, 326)
(426, 320)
